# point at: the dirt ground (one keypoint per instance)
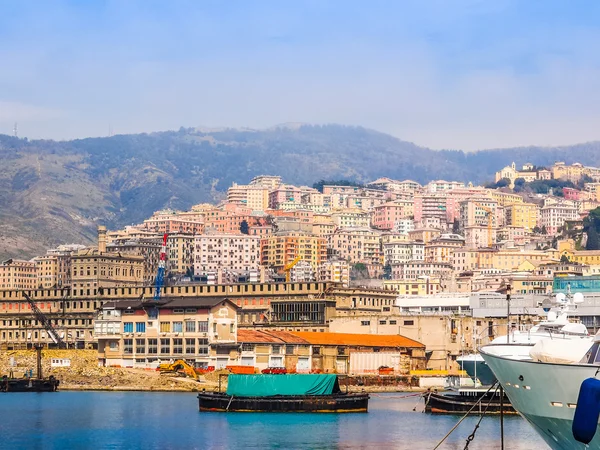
(84, 373)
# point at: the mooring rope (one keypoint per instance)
(472, 435)
(465, 416)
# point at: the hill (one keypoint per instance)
(56, 192)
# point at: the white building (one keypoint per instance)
(214, 252)
(399, 252)
(554, 216)
(404, 226)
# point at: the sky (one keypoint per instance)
(445, 74)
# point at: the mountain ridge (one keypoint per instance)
(52, 192)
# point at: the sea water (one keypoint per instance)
(134, 420)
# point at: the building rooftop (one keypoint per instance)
(268, 337)
(357, 340)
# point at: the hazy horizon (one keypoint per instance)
(445, 75)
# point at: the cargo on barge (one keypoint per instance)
(283, 393)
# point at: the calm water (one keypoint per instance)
(114, 420)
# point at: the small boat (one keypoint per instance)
(28, 384)
(459, 401)
(283, 393)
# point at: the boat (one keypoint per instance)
(49, 384)
(8, 383)
(461, 400)
(283, 393)
(556, 326)
(545, 393)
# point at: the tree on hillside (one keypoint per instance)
(456, 226)
(591, 226)
(564, 259)
(319, 185)
(519, 184)
(387, 272)
(244, 229)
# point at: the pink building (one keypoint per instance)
(385, 216)
(572, 194)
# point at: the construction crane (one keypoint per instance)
(160, 277)
(46, 323)
(288, 267)
(489, 214)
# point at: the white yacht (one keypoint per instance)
(546, 393)
(556, 326)
(544, 385)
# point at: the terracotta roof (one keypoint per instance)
(268, 337)
(359, 340)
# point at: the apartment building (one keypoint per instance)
(478, 212)
(282, 248)
(233, 252)
(523, 215)
(18, 274)
(351, 218)
(255, 197)
(202, 331)
(335, 271)
(388, 214)
(431, 205)
(180, 253)
(443, 185)
(399, 252)
(171, 222)
(553, 217)
(415, 270)
(53, 271)
(356, 245)
(146, 247)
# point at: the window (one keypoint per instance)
(113, 345)
(165, 327)
(128, 327)
(203, 346)
(382, 322)
(177, 327)
(408, 323)
(128, 346)
(140, 345)
(190, 346)
(152, 346)
(316, 350)
(165, 346)
(190, 310)
(140, 327)
(190, 326)
(289, 349)
(178, 311)
(341, 351)
(276, 349)
(177, 346)
(203, 327)
(365, 323)
(393, 322)
(247, 347)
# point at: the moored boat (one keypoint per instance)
(283, 393)
(461, 400)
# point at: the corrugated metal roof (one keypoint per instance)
(357, 340)
(268, 337)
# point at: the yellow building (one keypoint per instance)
(509, 259)
(180, 253)
(281, 249)
(323, 225)
(523, 215)
(505, 198)
(414, 287)
(95, 267)
(53, 271)
(15, 274)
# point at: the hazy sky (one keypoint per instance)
(441, 73)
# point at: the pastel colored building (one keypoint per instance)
(388, 214)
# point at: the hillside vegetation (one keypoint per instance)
(56, 192)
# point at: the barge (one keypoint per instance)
(8, 383)
(459, 401)
(283, 393)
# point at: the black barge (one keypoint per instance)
(459, 401)
(283, 393)
(8, 383)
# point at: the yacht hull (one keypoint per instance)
(545, 394)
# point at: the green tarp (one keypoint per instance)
(269, 385)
